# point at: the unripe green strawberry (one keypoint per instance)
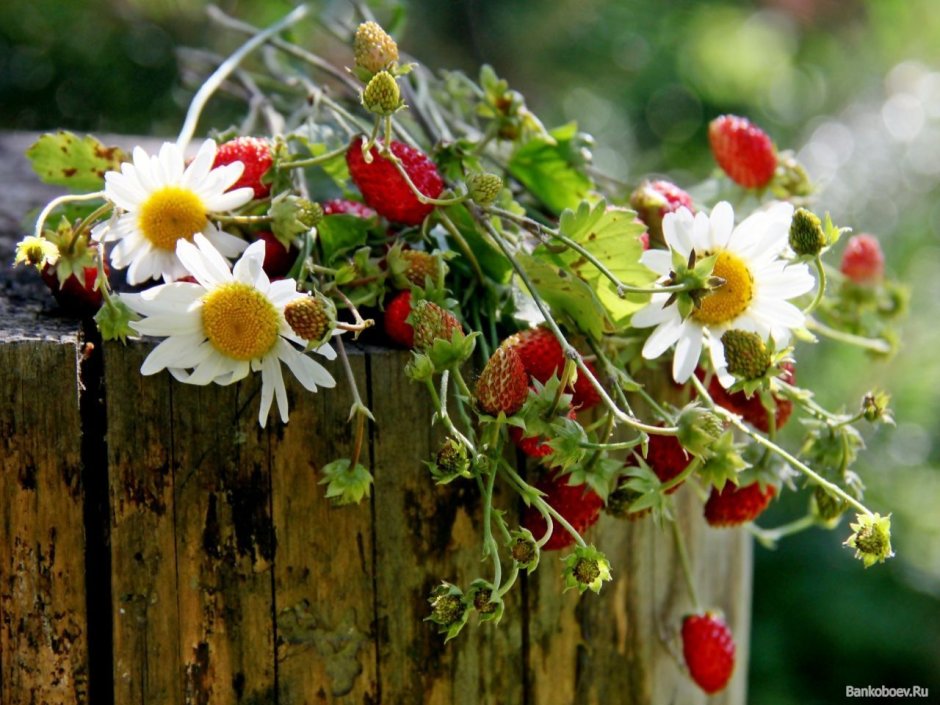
(484, 188)
(414, 267)
(373, 48)
(382, 96)
(430, 323)
(746, 354)
(806, 233)
(708, 648)
(743, 151)
(503, 385)
(311, 317)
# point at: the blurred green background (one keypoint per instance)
(853, 86)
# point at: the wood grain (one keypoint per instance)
(43, 629)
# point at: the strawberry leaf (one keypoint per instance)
(612, 238)
(64, 159)
(567, 295)
(340, 233)
(547, 168)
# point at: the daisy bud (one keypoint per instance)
(746, 354)
(871, 538)
(698, 429)
(382, 96)
(373, 48)
(484, 188)
(807, 237)
(586, 568)
(311, 317)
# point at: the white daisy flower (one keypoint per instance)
(229, 323)
(753, 298)
(161, 201)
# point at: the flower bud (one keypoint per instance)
(871, 538)
(807, 237)
(746, 354)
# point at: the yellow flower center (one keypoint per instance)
(240, 321)
(171, 213)
(728, 301)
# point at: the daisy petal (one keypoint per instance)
(662, 338)
(688, 351)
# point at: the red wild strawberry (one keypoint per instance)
(667, 458)
(75, 296)
(542, 357)
(735, 505)
(652, 201)
(863, 261)
(708, 648)
(396, 327)
(385, 190)
(503, 385)
(343, 206)
(752, 410)
(743, 151)
(578, 504)
(255, 154)
(533, 446)
(277, 259)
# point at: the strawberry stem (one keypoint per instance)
(790, 458)
(462, 243)
(315, 161)
(768, 538)
(877, 345)
(56, 202)
(820, 287)
(83, 224)
(686, 566)
(547, 510)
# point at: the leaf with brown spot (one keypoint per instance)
(64, 159)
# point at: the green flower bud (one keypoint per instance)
(871, 538)
(488, 604)
(875, 407)
(746, 354)
(586, 568)
(451, 462)
(828, 509)
(807, 236)
(310, 213)
(449, 609)
(699, 429)
(484, 188)
(524, 549)
(382, 96)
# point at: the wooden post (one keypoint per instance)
(229, 578)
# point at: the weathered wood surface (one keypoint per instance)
(221, 574)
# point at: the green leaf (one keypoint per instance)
(611, 236)
(286, 224)
(346, 485)
(64, 159)
(566, 295)
(548, 170)
(341, 233)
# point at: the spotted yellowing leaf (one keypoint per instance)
(78, 163)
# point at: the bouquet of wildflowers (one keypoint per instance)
(627, 339)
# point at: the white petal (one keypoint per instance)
(702, 234)
(780, 312)
(722, 223)
(248, 268)
(677, 230)
(227, 244)
(272, 383)
(203, 261)
(662, 338)
(215, 365)
(688, 351)
(327, 351)
(282, 292)
(219, 181)
(200, 166)
(229, 200)
(143, 268)
(179, 351)
(653, 315)
(171, 161)
(121, 191)
(308, 372)
(128, 249)
(165, 298)
(177, 323)
(660, 261)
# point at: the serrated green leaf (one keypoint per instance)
(546, 169)
(341, 233)
(611, 236)
(64, 159)
(566, 295)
